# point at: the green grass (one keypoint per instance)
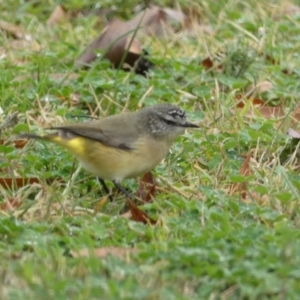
(208, 243)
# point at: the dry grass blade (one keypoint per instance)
(10, 204)
(10, 121)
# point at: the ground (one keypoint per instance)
(227, 202)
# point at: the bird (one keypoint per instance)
(123, 145)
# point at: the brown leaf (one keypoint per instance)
(139, 215)
(104, 252)
(22, 38)
(16, 31)
(58, 16)
(255, 101)
(126, 215)
(259, 88)
(19, 144)
(293, 133)
(157, 20)
(116, 40)
(258, 105)
(207, 63)
(214, 61)
(147, 187)
(151, 20)
(244, 171)
(270, 112)
(175, 15)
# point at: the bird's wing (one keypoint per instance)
(109, 131)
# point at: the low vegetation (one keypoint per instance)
(226, 203)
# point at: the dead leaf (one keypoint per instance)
(214, 61)
(16, 31)
(147, 187)
(104, 252)
(207, 63)
(120, 38)
(255, 101)
(19, 144)
(293, 133)
(58, 16)
(157, 20)
(176, 15)
(244, 171)
(150, 20)
(139, 215)
(127, 215)
(115, 41)
(23, 38)
(270, 112)
(259, 88)
(258, 106)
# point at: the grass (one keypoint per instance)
(210, 243)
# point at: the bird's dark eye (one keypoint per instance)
(170, 122)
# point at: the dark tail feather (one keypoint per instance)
(28, 136)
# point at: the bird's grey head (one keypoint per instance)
(166, 120)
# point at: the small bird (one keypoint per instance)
(121, 146)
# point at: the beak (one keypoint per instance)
(190, 125)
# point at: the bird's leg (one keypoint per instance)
(121, 189)
(106, 190)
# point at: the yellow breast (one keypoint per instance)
(116, 164)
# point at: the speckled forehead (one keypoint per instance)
(177, 112)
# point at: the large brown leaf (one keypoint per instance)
(117, 43)
(58, 16)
